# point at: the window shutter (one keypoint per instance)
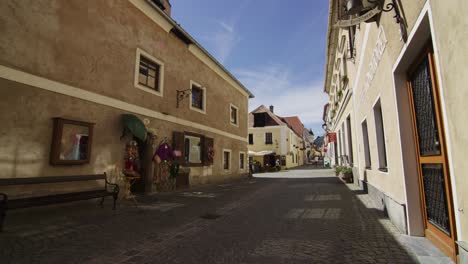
(178, 144)
(208, 151)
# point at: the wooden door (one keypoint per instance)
(436, 195)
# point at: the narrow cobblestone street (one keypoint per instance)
(258, 220)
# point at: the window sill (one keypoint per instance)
(148, 90)
(368, 168)
(198, 110)
(234, 124)
(383, 169)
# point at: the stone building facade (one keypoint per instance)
(94, 61)
(396, 105)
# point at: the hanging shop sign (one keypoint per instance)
(358, 20)
(331, 137)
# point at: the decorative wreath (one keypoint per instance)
(211, 154)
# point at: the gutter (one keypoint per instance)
(331, 44)
(189, 38)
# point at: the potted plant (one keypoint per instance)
(338, 170)
(347, 174)
(340, 93)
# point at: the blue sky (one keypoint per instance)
(276, 48)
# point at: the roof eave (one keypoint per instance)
(187, 35)
(332, 36)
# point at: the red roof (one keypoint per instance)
(295, 123)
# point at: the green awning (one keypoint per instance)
(134, 125)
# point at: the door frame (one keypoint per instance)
(446, 243)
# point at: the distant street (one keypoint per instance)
(259, 220)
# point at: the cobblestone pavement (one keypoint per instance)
(261, 220)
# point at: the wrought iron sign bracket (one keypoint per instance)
(181, 94)
(399, 20)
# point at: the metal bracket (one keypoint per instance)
(181, 94)
(399, 20)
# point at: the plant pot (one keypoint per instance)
(347, 177)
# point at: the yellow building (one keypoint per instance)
(272, 138)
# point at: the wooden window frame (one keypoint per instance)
(251, 136)
(203, 89)
(230, 159)
(242, 159)
(266, 138)
(236, 123)
(202, 150)
(366, 145)
(57, 141)
(160, 83)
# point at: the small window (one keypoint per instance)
(149, 73)
(350, 140)
(226, 159)
(198, 98)
(193, 150)
(365, 137)
(268, 138)
(251, 139)
(380, 134)
(241, 161)
(234, 115)
(283, 160)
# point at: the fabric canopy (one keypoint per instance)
(134, 125)
(261, 153)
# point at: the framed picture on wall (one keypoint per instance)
(71, 142)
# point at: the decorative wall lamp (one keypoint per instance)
(324, 126)
(181, 94)
(367, 9)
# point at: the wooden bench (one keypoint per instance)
(24, 202)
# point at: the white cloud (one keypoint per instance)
(273, 85)
(226, 26)
(223, 40)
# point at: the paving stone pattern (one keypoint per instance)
(315, 220)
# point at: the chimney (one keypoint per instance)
(164, 5)
(168, 6)
(271, 108)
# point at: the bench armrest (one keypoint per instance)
(116, 187)
(3, 201)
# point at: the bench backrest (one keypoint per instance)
(50, 179)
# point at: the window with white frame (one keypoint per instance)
(241, 160)
(226, 159)
(234, 113)
(380, 134)
(193, 149)
(365, 137)
(198, 97)
(149, 73)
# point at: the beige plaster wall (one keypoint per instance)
(26, 137)
(452, 56)
(92, 45)
(392, 182)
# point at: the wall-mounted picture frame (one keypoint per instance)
(71, 142)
